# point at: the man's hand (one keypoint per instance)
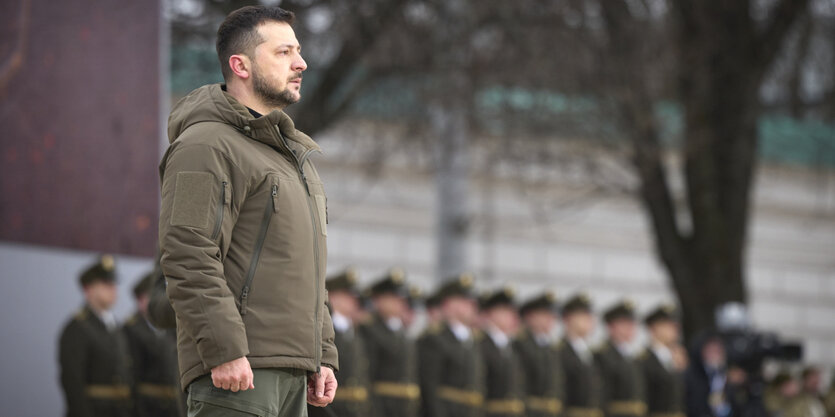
(234, 375)
(321, 387)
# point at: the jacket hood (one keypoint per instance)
(211, 103)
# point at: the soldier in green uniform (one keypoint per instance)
(537, 349)
(504, 377)
(153, 355)
(623, 388)
(392, 356)
(663, 375)
(352, 395)
(583, 387)
(93, 358)
(451, 369)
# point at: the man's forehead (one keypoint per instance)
(277, 33)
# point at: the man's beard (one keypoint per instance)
(269, 95)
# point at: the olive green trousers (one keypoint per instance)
(278, 392)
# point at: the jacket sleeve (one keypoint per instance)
(189, 234)
(73, 360)
(330, 356)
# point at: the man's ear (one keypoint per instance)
(241, 66)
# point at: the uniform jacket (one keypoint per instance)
(664, 388)
(543, 376)
(95, 368)
(505, 387)
(153, 356)
(583, 383)
(623, 387)
(451, 374)
(393, 369)
(242, 238)
(353, 392)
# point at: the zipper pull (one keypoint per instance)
(275, 198)
(244, 295)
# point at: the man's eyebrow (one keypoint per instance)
(289, 45)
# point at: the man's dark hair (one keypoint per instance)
(238, 34)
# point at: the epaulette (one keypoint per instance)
(643, 354)
(132, 320)
(365, 320)
(478, 335)
(434, 328)
(601, 348)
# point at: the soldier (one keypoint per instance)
(153, 355)
(393, 356)
(413, 302)
(352, 396)
(623, 380)
(540, 359)
(505, 380)
(93, 358)
(451, 369)
(663, 375)
(582, 392)
(433, 311)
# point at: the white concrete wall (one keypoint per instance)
(602, 246)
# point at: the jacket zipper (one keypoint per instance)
(317, 333)
(220, 207)
(269, 208)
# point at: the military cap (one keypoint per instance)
(578, 303)
(545, 301)
(394, 282)
(103, 270)
(460, 285)
(432, 301)
(781, 378)
(505, 296)
(665, 312)
(344, 281)
(624, 309)
(144, 285)
(415, 296)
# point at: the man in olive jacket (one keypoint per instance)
(242, 232)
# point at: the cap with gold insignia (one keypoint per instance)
(344, 281)
(145, 284)
(505, 296)
(393, 282)
(624, 309)
(103, 270)
(665, 312)
(415, 296)
(459, 285)
(579, 303)
(545, 301)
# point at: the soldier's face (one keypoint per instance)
(101, 295)
(623, 330)
(541, 321)
(667, 332)
(504, 318)
(580, 323)
(460, 309)
(344, 303)
(390, 305)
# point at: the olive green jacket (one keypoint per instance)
(242, 236)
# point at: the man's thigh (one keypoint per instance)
(277, 393)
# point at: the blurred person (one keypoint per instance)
(623, 387)
(392, 355)
(432, 307)
(153, 354)
(708, 389)
(451, 369)
(94, 362)
(812, 380)
(504, 378)
(583, 386)
(353, 398)
(663, 372)
(788, 399)
(537, 349)
(243, 231)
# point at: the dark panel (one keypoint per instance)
(79, 105)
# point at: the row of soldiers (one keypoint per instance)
(490, 356)
(117, 370)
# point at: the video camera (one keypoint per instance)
(748, 349)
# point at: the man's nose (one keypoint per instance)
(299, 64)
